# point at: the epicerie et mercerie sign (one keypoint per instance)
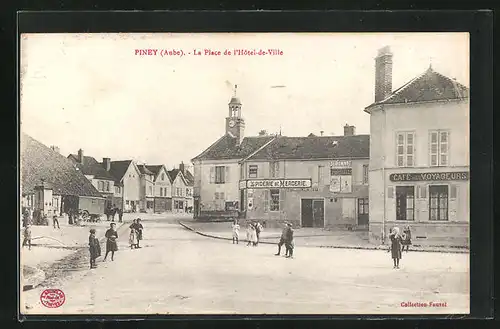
(432, 176)
(279, 183)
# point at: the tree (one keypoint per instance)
(263, 132)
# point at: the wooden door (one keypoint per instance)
(318, 213)
(307, 212)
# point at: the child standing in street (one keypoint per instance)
(236, 231)
(94, 248)
(289, 243)
(27, 236)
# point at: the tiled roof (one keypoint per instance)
(155, 169)
(119, 168)
(40, 162)
(144, 170)
(227, 148)
(189, 177)
(315, 147)
(90, 166)
(429, 86)
(173, 173)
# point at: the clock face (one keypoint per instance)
(231, 123)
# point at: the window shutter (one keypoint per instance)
(282, 199)
(390, 192)
(227, 175)
(266, 200)
(453, 191)
(212, 175)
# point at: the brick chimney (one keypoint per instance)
(55, 149)
(349, 130)
(181, 167)
(106, 163)
(80, 156)
(383, 74)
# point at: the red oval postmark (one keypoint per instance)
(52, 298)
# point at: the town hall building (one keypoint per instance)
(313, 181)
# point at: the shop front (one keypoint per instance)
(434, 204)
(301, 202)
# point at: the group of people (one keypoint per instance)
(135, 234)
(111, 212)
(253, 232)
(111, 235)
(398, 243)
(253, 236)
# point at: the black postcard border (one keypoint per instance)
(478, 23)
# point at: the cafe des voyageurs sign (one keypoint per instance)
(429, 176)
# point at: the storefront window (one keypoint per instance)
(275, 200)
(405, 202)
(438, 202)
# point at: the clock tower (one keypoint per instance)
(235, 124)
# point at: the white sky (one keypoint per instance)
(91, 91)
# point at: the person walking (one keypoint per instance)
(406, 239)
(282, 239)
(55, 221)
(94, 248)
(111, 244)
(132, 240)
(107, 212)
(27, 236)
(258, 230)
(236, 231)
(289, 242)
(395, 238)
(120, 215)
(113, 213)
(139, 229)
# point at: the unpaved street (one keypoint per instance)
(179, 272)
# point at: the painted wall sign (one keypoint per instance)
(341, 163)
(341, 184)
(279, 183)
(433, 176)
(341, 171)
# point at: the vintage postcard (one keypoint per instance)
(244, 173)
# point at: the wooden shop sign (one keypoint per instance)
(429, 176)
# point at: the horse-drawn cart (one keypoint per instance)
(89, 208)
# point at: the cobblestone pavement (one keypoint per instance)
(179, 272)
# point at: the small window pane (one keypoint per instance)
(434, 148)
(444, 136)
(444, 160)
(444, 147)
(409, 160)
(400, 160)
(409, 149)
(401, 149)
(434, 160)
(401, 139)
(434, 138)
(410, 138)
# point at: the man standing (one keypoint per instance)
(55, 221)
(258, 230)
(282, 239)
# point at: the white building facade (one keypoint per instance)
(419, 157)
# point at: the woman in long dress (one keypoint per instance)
(132, 240)
(251, 235)
(111, 244)
(396, 239)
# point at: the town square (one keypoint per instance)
(343, 192)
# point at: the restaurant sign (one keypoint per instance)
(279, 183)
(429, 176)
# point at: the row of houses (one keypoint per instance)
(413, 168)
(55, 184)
(136, 187)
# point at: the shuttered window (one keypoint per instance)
(274, 169)
(405, 149)
(220, 175)
(266, 200)
(253, 171)
(275, 200)
(365, 174)
(439, 148)
(453, 191)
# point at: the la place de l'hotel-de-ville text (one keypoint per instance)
(413, 168)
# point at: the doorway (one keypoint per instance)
(405, 202)
(313, 213)
(363, 211)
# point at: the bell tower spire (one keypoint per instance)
(235, 124)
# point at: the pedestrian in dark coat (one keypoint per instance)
(406, 241)
(120, 215)
(113, 213)
(396, 239)
(258, 230)
(139, 232)
(111, 244)
(94, 248)
(27, 236)
(289, 243)
(282, 239)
